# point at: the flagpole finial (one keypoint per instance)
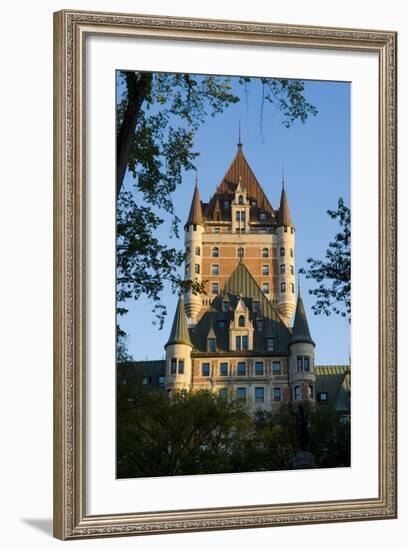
(196, 178)
(282, 177)
(239, 143)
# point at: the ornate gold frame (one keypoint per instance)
(70, 31)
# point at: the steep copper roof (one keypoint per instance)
(283, 214)
(301, 332)
(335, 380)
(179, 332)
(241, 285)
(226, 189)
(195, 213)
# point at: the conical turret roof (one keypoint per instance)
(283, 215)
(179, 332)
(301, 332)
(195, 213)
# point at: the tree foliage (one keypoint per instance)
(158, 115)
(202, 433)
(333, 274)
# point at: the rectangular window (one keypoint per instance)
(225, 306)
(254, 203)
(173, 366)
(216, 229)
(223, 369)
(226, 204)
(311, 391)
(282, 286)
(215, 288)
(262, 217)
(215, 269)
(197, 268)
(277, 394)
(144, 381)
(300, 364)
(243, 216)
(297, 393)
(241, 369)
(266, 270)
(238, 343)
(323, 397)
(282, 251)
(265, 253)
(181, 366)
(282, 269)
(223, 393)
(259, 368)
(161, 380)
(241, 393)
(306, 364)
(211, 345)
(270, 344)
(256, 307)
(187, 269)
(285, 229)
(238, 216)
(221, 323)
(205, 369)
(259, 395)
(265, 288)
(194, 226)
(276, 367)
(245, 343)
(260, 325)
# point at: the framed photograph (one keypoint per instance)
(225, 273)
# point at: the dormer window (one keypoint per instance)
(256, 307)
(241, 321)
(260, 325)
(262, 217)
(238, 216)
(211, 345)
(226, 205)
(254, 203)
(240, 199)
(225, 307)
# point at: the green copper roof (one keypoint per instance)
(241, 284)
(179, 332)
(283, 214)
(335, 380)
(301, 331)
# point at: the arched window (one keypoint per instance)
(265, 253)
(282, 251)
(240, 252)
(241, 320)
(240, 200)
(215, 252)
(197, 251)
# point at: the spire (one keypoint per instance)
(283, 214)
(195, 213)
(239, 143)
(301, 331)
(179, 332)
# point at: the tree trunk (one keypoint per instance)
(138, 87)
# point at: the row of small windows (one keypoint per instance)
(241, 369)
(265, 253)
(215, 270)
(241, 393)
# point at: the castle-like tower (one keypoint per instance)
(237, 338)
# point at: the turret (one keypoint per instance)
(178, 371)
(286, 260)
(301, 361)
(194, 228)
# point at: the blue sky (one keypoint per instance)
(315, 157)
